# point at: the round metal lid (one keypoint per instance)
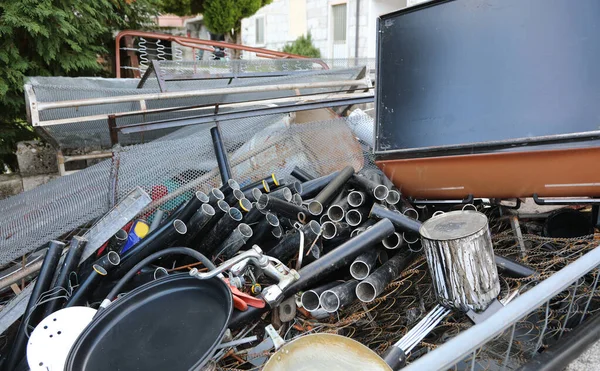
(453, 225)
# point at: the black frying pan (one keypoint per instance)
(173, 323)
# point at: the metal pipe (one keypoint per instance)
(266, 184)
(221, 154)
(158, 216)
(166, 235)
(332, 230)
(283, 193)
(393, 241)
(370, 288)
(301, 174)
(355, 216)
(100, 269)
(295, 186)
(198, 93)
(214, 196)
(117, 241)
(191, 207)
(310, 298)
(282, 208)
(401, 222)
(513, 268)
(197, 223)
(68, 266)
(31, 316)
(323, 198)
(260, 230)
(393, 197)
(289, 245)
(245, 205)
(356, 198)
(339, 296)
(229, 186)
(297, 199)
(312, 187)
(253, 194)
(337, 211)
(109, 260)
(234, 242)
(235, 196)
(362, 266)
(277, 232)
(378, 191)
(220, 231)
(313, 273)
(253, 215)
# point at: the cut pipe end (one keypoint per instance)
(277, 232)
(365, 292)
(256, 193)
(216, 192)
(262, 202)
(245, 230)
(121, 235)
(202, 197)
(315, 208)
(272, 219)
(207, 209)
(353, 217)
(233, 184)
(235, 214)
(359, 270)
(238, 194)
(329, 230)
(315, 227)
(297, 199)
(356, 232)
(245, 204)
(223, 206)
(392, 241)
(355, 198)
(330, 301)
(411, 213)
(113, 258)
(336, 213)
(381, 192)
(393, 197)
(179, 226)
(296, 187)
(310, 300)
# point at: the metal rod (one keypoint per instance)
(158, 215)
(221, 154)
(322, 199)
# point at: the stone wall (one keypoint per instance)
(37, 166)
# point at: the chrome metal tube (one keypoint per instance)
(310, 298)
(234, 242)
(370, 288)
(327, 194)
(339, 296)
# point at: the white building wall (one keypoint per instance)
(283, 18)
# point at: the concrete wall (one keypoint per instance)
(37, 166)
(284, 19)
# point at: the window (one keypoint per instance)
(339, 22)
(260, 30)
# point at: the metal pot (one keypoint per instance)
(460, 255)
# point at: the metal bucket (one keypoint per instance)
(460, 255)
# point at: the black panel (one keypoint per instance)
(469, 71)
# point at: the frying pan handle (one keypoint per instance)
(395, 358)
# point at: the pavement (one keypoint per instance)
(588, 361)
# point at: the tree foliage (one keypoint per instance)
(304, 46)
(55, 38)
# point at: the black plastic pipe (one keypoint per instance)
(32, 314)
(378, 191)
(372, 286)
(234, 242)
(265, 185)
(513, 268)
(260, 230)
(164, 236)
(339, 296)
(312, 187)
(402, 222)
(68, 266)
(331, 190)
(197, 223)
(301, 174)
(281, 207)
(220, 231)
(221, 154)
(313, 273)
(289, 245)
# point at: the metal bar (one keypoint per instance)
(87, 157)
(297, 98)
(135, 128)
(478, 147)
(112, 129)
(199, 93)
(221, 154)
(466, 342)
(159, 78)
(565, 201)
